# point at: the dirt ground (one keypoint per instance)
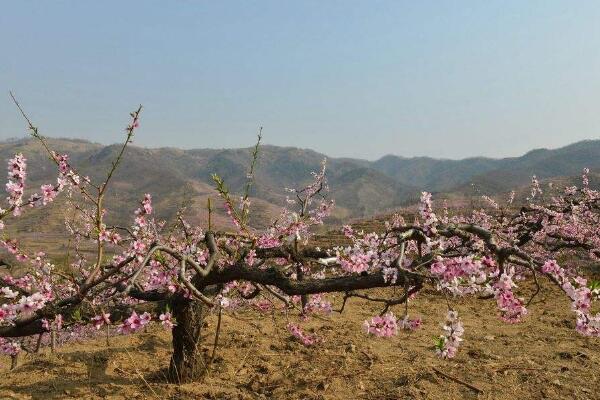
(543, 357)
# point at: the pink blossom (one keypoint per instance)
(535, 187)
(430, 220)
(8, 293)
(100, 320)
(348, 231)
(382, 326)
(166, 320)
(268, 241)
(48, 194)
(139, 246)
(250, 257)
(16, 182)
(134, 323)
(304, 338)
(511, 308)
(410, 324)
(147, 204)
(448, 342)
(357, 261)
(31, 303)
(317, 303)
(8, 347)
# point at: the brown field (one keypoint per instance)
(543, 357)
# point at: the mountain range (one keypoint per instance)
(360, 188)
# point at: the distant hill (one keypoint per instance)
(493, 175)
(361, 188)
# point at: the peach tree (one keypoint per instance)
(174, 275)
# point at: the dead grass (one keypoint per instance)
(542, 357)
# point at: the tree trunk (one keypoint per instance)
(187, 362)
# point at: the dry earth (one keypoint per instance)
(542, 357)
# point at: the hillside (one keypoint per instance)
(361, 188)
(492, 175)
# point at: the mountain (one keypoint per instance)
(434, 174)
(488, 175)
(361, 188)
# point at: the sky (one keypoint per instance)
(362, 79)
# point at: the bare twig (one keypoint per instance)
(452, 378)
(216, 342)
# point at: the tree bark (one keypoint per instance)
(187, 362)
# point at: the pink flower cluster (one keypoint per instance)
(511, 308)
(585, 177)
(9, 347)
(16, 182)
(268, 241)
(143, 233)
(231, 213)
(448, 342)
(304, 338)
(356, 261)
(348, 231)
(430, 220)
(65, 171)
(317, 303)
(31, 303)
(100, 320)
(134, 323)
(109, 236)
(250, 257)
(410, 324)
(462, 275)
(535, 187)
(63, 163)
(8, 293)
(15, 186)
(581, 296)
(49, 193)
(382, 326)
(166, 320)
(160, 276)
(491, 202)
(319, 182)
(12, 247)
(55, 325)
(144, 209)
(364, 254)
(135, 122)
(295, 225)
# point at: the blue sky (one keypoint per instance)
(347, 78)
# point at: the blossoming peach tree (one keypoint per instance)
(175, 275)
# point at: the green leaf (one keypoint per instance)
(594, 285)
(76, 315)
(439, 342)
(160, 257)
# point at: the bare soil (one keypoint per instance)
(541, 358)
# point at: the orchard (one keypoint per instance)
(176, 274)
